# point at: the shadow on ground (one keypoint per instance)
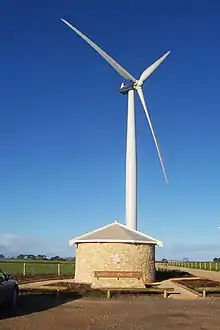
(29, 303)
(166, 274)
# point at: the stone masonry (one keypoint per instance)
(91, 257)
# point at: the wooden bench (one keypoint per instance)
(117, 274)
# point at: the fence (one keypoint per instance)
(37, 267)
(21, 267)
(205, 265)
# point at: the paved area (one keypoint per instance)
(179, 292)
(148, 313)
(211, 275)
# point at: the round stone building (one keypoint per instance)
(115, 256)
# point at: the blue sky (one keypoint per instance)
(63, 123)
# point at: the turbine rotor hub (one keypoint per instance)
(138, 84)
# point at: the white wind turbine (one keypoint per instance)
(131, 157)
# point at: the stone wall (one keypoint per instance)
(92, 257)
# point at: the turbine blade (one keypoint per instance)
(141, 95)
(109, 59)
(152, 68)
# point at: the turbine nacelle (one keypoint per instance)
(126, 87)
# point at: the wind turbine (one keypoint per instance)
(131, 157)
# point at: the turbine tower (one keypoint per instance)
(131, 157)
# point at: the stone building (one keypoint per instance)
(115, 256)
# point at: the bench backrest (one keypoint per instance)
(118, 274)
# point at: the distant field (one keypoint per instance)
(206, 265)
(36, 267)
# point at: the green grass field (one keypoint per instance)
(35, 267)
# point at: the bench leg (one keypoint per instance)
(108, 295)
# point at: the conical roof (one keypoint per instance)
(115, 233)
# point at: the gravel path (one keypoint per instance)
(211, 275)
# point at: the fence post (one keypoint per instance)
(205, 265)
(24, 269)
(58, 269)
(165, 293)
(216, 266)
(200, 265)
(210, 266)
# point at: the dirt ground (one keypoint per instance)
(35, 278)
(47, 312)
(199, 283)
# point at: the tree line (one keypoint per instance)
(36, 257)
(216, 259)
